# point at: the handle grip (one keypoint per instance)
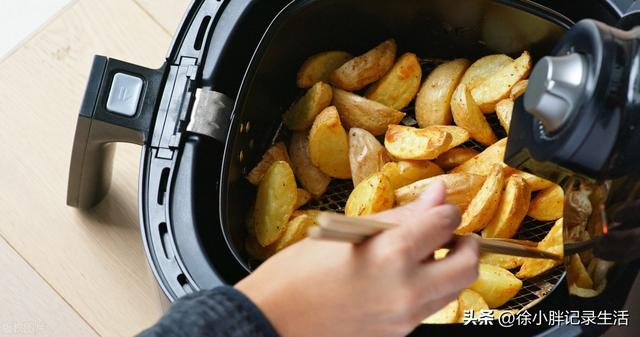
(118, 106)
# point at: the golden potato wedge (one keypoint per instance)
(461, 188)
(511, 210)
(302, 197)
(535, 183)
(405, 172)
(311, 178)
(433, 101)
(458, 135)
(255, 250)
(469, 300)
(277, 151)
(504, 109)
(552, 243)
(496, 285)
(482, 163)
(359, 112)
(399, 86)
(455, 157)
(548, 204)
(519, 89)
(406, 142)
(483, 68)
(488, 93)
(319, 67)
(296, 231)
(447, 315)
(366, 155)
(502, 261)
(372, 195)
(367, 68)
(467, 114)
(275, 202)
(329, 145)
(484, 204)
(303, 112)
(577, 273)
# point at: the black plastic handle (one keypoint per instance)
(99, 127)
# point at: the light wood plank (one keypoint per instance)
(95, 259)
(168, 13)
(29, 307)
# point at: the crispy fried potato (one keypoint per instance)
(518, 89)
(405, 172)
(483, 206)
(578, 207)
(488, 93)
(255, 250)
(367, 68)
(329, 145)
(366, 155)
(458, 135)
(548, 204)
(470, 300)
(319, 67)
(433, 100)
(275, 202)
(311, 178)
(483, 68)
(461, 188)
(359, 112)
(406, 142)
(467, 115)
(496, 285)
(302, 197)
(447, 315)
(277, 151)
(535, 183)
(372, 195)
(296, 231)
(511, 210)
(504, 109)
(455, 157)
(399, 86)
(482, 163)
(502, 261)
(302, 114)
(577, 273)
(551, 243)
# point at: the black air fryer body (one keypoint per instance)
(242, 55)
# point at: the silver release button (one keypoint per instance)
(124, 94)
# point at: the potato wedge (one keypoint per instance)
(504, 109)
(484, 204)
(496, 285)
(303, 112)
(311, 178)
(372, 195)
(359, 112)
(433, 101)
(535, 183)
(399, 86)
(511, 210)
(458, 135)
(552, 243)
(469, 300)
(329, 145)
(455, 157)
(275, 202)
(366, 155)
(367, 68)
(482, 163)
(302, 197)
(255, 250)
(548, 204)
(405, 142)
(483, 68)
(277, 151)
(447, 315)
(488, 93)
(296, 231)
(405, 172)
(519, 89)
(319, 67)
(577, 273)
(461, 188)
(467, 114)
(502, 261)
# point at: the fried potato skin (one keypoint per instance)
(302, 113)
(552, 243)
(409, 143)
(511, 210)
(458, 135)
(433, 101)
(548, 204)
(275, 202)
(461, 188)
(329, 145)
(481, 164)
(405, 172)
(518, 89)
(366, 155)
(502, 261)
(319, 67)
(496, 285)
(276, 152)
(359, 112)
(504, 109)
(370, 196)
(367, 68)
(454, 157)
(467, 114)
(400, 85)
(484, 204)
(296, 231)
(535, 183)
(312, 178)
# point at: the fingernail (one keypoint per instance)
(434, 193)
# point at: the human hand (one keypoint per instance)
(383, 287)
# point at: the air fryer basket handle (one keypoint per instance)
(118, 106)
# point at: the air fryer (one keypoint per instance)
(207, 115)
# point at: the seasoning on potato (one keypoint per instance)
(461, 188)
(319, 67)
(454, 157)
(370, 196)
(359, 112)
(483, 68)
(518, 89)
(329, 145)
(511, 210)
(548, 204)
(535, 183)
(405, 172)
(502, 261)
(399, 86)
(296, 231)
(275, 202)
(484, 204)
(302, 114)
(367, 68)
(366, 155)
(481, 164)
(468, 115)
(405, 142)
(496, 285)
(311, 177)
(469, 300)
(276, 152)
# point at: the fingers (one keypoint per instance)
(432, 196)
